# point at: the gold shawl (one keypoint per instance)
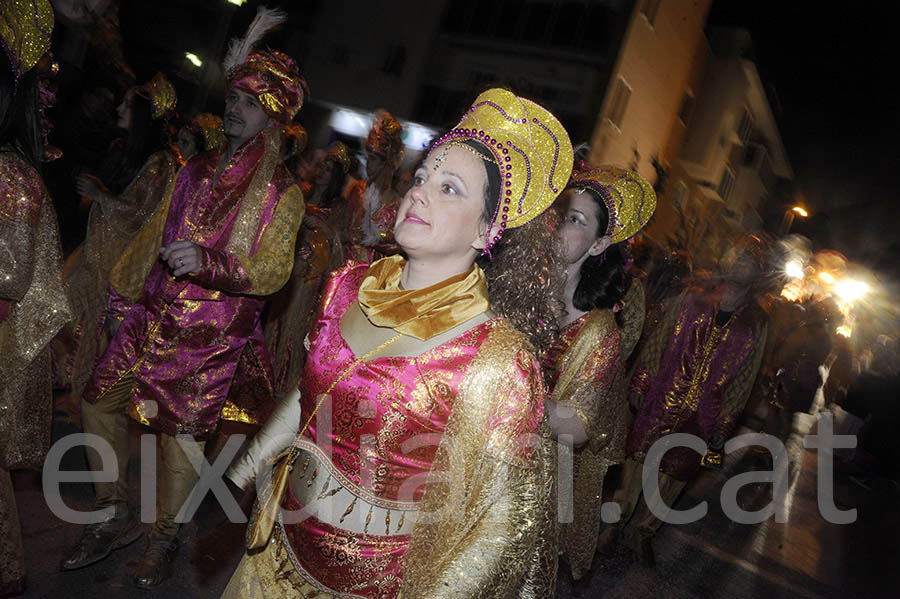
(421, 313)
(487, 523)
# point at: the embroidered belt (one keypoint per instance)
(326, 493)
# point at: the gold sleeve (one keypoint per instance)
(266, 270)
(633, 315)
(129, 274)
(487, 527)
(589, 371)
(17, 241)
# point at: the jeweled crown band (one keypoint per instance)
(630, 199)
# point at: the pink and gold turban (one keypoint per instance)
(272, 77)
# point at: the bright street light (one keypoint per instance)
(826, 277)
(236, 2)
(794, 269)
(194, 59)
(800, 211)
(850, 290)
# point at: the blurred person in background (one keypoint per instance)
(203, 133)
(317, 253)
(693, 375)
(372, 204)
(115, 218)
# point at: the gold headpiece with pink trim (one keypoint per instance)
(629, 198)
(211, 128)
(530, 146)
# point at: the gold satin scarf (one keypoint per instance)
(421, 313)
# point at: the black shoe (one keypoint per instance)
(98, 540)
(643, 553)
(155, 566)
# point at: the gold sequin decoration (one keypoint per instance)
(25, 29)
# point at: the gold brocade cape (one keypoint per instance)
(591, 382)
(421, 313)
(34, 307)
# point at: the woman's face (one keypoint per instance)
(442, 214)
(374, 163)
(580, 225)
(323, 173)
(124, 111)
(187, 145)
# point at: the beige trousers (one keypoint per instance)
(107, 419)
(636, 513)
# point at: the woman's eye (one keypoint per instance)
(448, 189)
(418, 180)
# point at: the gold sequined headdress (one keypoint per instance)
(211, 128)
(338, 153)
(629, 198)
(25, 28)
(161, 94)
(530, 146)
(385, 138)
(270, 75)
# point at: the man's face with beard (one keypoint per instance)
(244, 117)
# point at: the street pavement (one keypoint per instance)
(805, 557)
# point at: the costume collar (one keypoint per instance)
(421, 313)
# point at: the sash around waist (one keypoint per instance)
(328, 495)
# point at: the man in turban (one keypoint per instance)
(186, 299)
(693, 375)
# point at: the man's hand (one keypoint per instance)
(182, 257)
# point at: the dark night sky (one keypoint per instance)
(831, 69)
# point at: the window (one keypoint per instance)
(619, 102)
(725, 184)
(649, 8)
(745, 128)
(687, 108)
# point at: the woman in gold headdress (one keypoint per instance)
(117, 213)
(423, 459)
(584, 369)
(33, 305)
